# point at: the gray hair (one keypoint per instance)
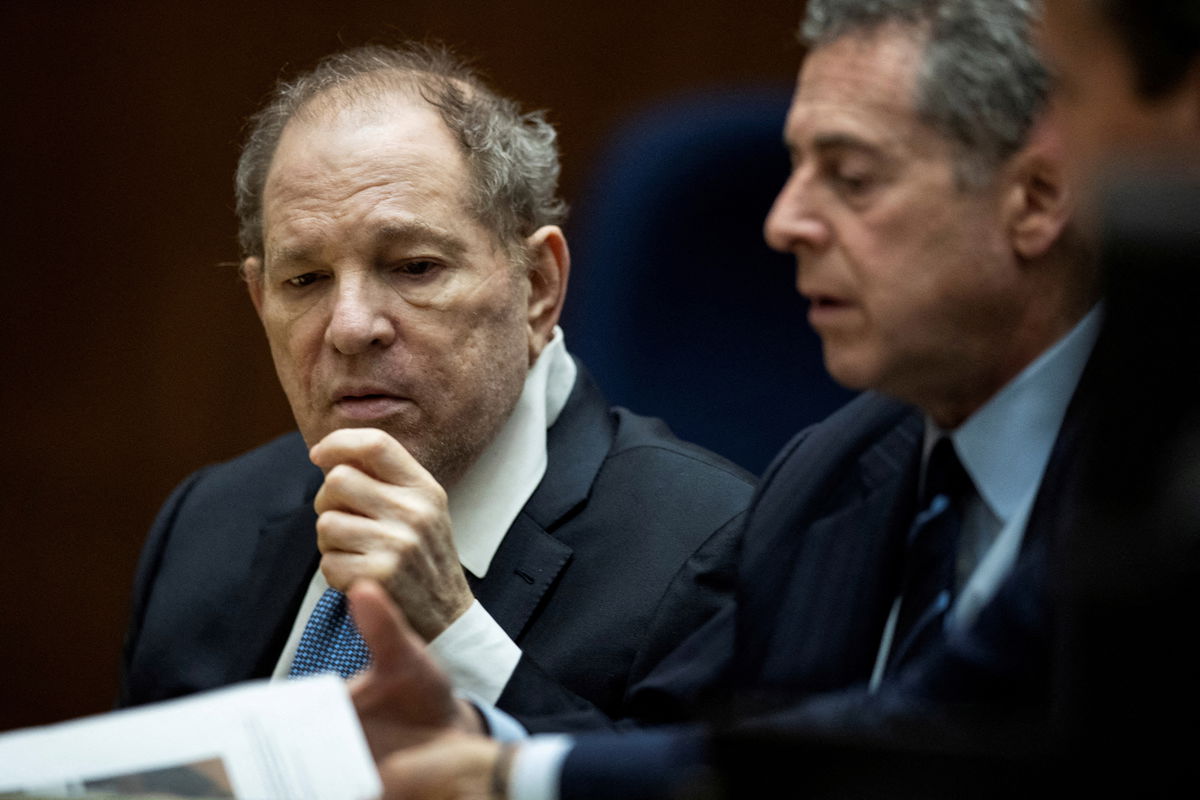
(982, 83)
(512, 156)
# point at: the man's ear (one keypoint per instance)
(549, 267)
(1039, 200)
(252, 273)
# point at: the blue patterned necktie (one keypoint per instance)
(331, 641)
(931, 555)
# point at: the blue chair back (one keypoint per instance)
(676, 304)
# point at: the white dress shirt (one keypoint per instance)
(475, 651)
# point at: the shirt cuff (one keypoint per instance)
(477, 654)
(537, 768)
(500, 726)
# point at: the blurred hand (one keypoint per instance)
(382, 516)
(403, 699)
(452, 768)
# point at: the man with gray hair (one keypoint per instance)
(400, 228)
(893, 630)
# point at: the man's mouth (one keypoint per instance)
(825, 301)
(826, 309)
(367, 406)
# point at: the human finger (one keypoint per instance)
(353, 491)
(373, 451)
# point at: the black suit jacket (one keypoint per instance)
(1133, 588)
(782, 671)
(626, 546)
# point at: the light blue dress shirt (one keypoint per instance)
(1004, 447)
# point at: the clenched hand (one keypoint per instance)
(382, 516)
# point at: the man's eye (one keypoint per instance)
(417, 268)
(854, 183)
(300, 281)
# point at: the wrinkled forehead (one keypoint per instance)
(366, 162)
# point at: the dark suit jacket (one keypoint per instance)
(626, 546)
(1134, 600)
(791, 657)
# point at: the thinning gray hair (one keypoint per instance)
(982, 83)
(512, 156)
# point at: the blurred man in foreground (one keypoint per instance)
(894, 629)
(400, 224)
(1130, 75)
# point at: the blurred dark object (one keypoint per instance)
(676, 304)
(1162, 38)
(1146, 364)
(1131, 572)
(816, 767)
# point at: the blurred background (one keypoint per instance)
(131, 355)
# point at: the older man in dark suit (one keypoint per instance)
(402, 249)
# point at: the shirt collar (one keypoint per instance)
(486, 500)
(1006, 444)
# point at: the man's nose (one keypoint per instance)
(359, 319)
(795, 222)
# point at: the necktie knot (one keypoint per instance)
(331, 641)
(944, 474)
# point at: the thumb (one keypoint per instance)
(392, 641)
(403, 681)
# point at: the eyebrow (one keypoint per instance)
(827, 142)
(843, 141)
(392, 232)
(416, 232)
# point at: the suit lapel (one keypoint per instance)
(1054, 506)
(523, 569)
(846, 574)
(576, 446)
(285, 558)
(834, 517)
(531, 557)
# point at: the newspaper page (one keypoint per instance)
(291, 740)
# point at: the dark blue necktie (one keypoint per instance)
(931, 556)
(331, 641)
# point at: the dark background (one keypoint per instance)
(130, 353)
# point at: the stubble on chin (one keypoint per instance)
(457, 447)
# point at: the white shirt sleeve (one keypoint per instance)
(477, 654)
(537, 767)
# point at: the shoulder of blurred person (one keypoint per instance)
(1130, 73)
